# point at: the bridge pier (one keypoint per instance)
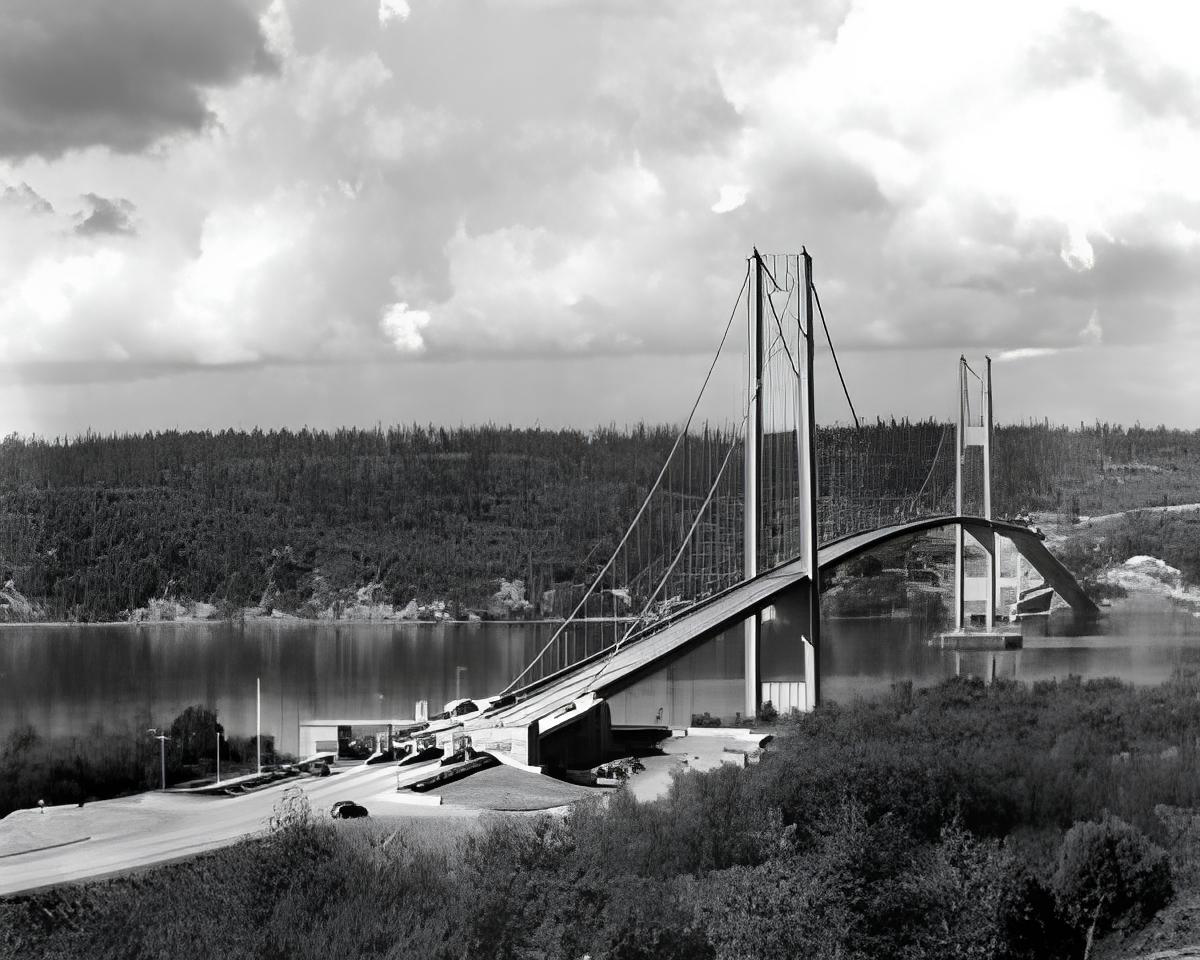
(986, 539)
(1029, 545)
(974, 431)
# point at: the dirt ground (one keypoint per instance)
(696, 752)
(504, 788)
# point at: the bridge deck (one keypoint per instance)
(603, 673)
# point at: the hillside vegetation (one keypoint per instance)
(965, 820)
(297, 521)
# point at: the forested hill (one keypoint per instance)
(93, 527)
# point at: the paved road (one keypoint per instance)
(154, 827)
(1173, 508)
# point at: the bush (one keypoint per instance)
(705, 720)
(1110, 875)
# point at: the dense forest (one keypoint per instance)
(299, 521)
(971, 821)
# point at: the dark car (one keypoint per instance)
(347, 810)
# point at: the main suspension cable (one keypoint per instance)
(670, 569)
(646, 501)
(829, 340)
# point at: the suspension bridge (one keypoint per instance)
(715, 583)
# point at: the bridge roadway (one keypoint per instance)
(546, 703)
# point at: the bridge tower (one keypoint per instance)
(974, 430)
(754, 518)
(752, 504)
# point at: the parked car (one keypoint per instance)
(347, 810)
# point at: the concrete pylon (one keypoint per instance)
(974, 431)
(752, 512)
(810, 626)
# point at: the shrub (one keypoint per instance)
(1110, 875)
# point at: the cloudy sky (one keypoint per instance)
(237, 213)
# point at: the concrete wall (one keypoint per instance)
(317, 739)
(786, 696)
(781, 650)
(577, 745)
(515, 742)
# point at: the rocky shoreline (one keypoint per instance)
(361, 605)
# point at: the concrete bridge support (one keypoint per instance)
(1031, 547)
(974, 431)
(788, 660)
(985, 538)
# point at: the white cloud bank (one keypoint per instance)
(444, 179)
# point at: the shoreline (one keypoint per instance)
(1146, 576)
(289, 620)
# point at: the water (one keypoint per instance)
(1140, 640)
(66, 679)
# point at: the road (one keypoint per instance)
(69, 843)
(1173, 508)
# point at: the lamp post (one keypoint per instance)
(162, 739)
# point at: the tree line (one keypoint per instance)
(96, 526)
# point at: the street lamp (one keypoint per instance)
(162, 739)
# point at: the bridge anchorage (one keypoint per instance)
(709, 603)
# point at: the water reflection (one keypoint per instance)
(1142, 641)
(65, 679)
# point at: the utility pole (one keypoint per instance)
(258, 721)
(162, 739)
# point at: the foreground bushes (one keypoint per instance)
(963, 821)
(1110, 875)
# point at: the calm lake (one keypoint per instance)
(66, 679)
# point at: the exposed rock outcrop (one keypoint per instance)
(15, 607)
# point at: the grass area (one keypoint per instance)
(959, 821)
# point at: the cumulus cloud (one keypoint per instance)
(107, 216)
(390, 10)
(1077, 252)
(730, 199)
(119, 75)
(430, 180)
(1025, 353)
(403, 327)
(24, 197)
